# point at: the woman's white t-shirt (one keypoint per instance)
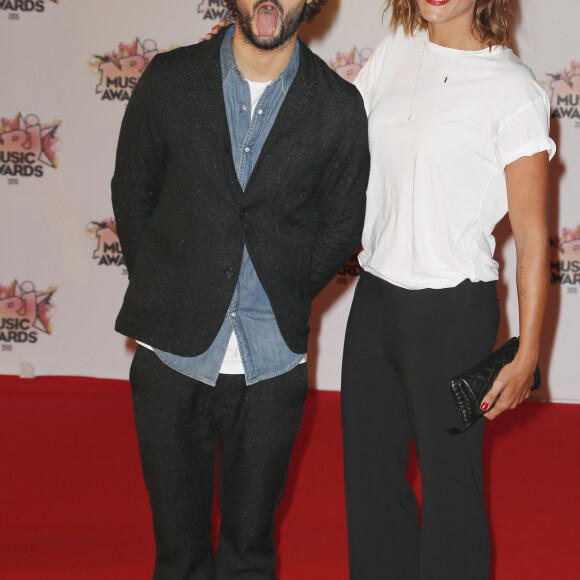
(437, 186)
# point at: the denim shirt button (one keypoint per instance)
(230, 273)
(244, 214)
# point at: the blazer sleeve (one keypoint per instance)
(341, 208)
(139, 164)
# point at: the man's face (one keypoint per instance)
(268, 24)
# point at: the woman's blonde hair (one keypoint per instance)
(490, 19)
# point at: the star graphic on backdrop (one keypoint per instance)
(32, 121)
(26, 288)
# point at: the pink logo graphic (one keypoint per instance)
(121, 69)
(108, 252)
(213, 9)
(348, 66)
(565, 259)
(27, 146)
(23, 311)
(564, 90)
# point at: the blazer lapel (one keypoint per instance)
(298, 102)
(208, 100)
(209, 97)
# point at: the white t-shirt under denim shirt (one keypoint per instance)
(437, 186)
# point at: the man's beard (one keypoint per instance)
(288, 26)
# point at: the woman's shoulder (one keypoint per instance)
(391, 55)
(514, 78)
(396, 43)
(510, 69)
(511, 65)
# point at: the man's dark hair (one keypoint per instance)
(310, 10)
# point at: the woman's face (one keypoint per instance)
(448, 12)
(450, 22)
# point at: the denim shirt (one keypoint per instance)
(264, 352)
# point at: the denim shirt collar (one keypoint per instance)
(229, 66)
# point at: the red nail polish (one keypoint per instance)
(484, 406)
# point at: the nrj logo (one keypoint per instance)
(213, 9)
(564, 90)
(24, 311)
(24, 5)
(108, 252)
(27, 146)
(121, 69)
(349, 65)
(565, 257)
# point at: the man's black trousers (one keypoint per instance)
(180, 422)
(401, 348)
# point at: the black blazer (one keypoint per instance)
(183, 219)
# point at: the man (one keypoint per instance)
(239, 192)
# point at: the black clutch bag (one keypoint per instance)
(469, 389)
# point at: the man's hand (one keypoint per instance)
(221, 24)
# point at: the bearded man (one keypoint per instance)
(239, 192)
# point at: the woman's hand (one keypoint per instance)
(221, 24)
(514, 383)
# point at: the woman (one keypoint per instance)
(458, 129)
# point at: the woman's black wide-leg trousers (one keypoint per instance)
(401, 348)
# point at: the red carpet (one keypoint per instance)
(73, 505)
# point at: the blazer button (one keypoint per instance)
(244, 214)
(230, 273)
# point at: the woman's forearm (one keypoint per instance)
(532, 278)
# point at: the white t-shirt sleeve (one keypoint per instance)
(526, 131)
(367, 79)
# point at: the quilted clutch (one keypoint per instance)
(469, 388)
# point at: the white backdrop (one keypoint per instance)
(67, 70)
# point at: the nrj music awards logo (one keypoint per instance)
(565, 257)
(213, 9)
(121, 69)
(24, 312)
(348, 65)
(27, 146)
(16, 6)
(108, 251)
(564, 90)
